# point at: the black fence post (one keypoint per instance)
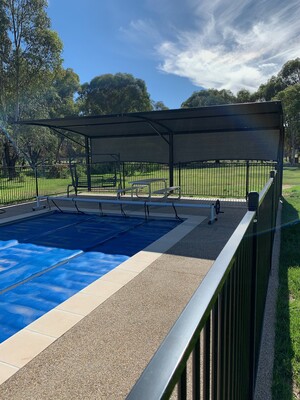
(247, 178)
(38, 204)
(36, 181)
(253, 199)
(88, 163)
(274, 205)
(123, 171)
(253, 204)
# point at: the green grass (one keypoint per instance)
(286, 374)
(16, 191)
(291, 176)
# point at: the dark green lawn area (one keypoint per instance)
(286, 374)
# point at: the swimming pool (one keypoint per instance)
(47, 259)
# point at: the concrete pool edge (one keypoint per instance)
(22, 347)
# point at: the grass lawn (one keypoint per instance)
(14, 192)
(286, 374)
(291, 176)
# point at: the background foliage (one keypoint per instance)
(34, 84)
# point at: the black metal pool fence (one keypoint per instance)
(212, 350)
(222, 179)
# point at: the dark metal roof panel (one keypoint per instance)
(235, 117)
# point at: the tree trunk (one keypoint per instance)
(293, 147)
(11, 158)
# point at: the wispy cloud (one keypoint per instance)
(230, 45)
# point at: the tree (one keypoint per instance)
(287, 76)
(60, 102)
(56, 101)
(290, 73)
(159, 105)
(209, 97)
(112, 94)
(60, 96)
(38, 144)
(35, 50)
(290, 98)
(269, 90)
(29, 58)
(244, 96)
(5, 46)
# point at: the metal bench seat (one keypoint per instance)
(169, 191)
(131, 189)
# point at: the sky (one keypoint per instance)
(178, 46)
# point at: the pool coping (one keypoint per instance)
(21, 348)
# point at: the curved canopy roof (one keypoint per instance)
(238, 131)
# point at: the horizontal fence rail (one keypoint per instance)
(219, 331)
(218, 179)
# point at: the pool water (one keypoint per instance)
(47, 259)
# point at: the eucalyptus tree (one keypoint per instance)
(209, 97)
(285, 87)
(60, 100)
(290, 98)
(290, 73)
(267, 91)
(159, 105)
(60, 95)
(112, 94)
(29, 57)
(5, 46)
(244, 96)
(35, 50)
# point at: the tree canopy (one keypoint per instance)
(290, 98)
(30, 55)
(33, 84)
(111, 94)
(31, 51)
(209, 97)
(285, 87)
(290, 73)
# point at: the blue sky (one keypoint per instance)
(178, 46)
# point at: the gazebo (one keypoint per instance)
(250, 131)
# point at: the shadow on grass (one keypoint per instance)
(282, 388)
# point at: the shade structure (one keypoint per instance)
(250, 131)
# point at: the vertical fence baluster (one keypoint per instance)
(206, 359)
(247, 179)
(233, 336)
(215, 350)
(196, 371)
(226, 338)
(182, 386)
(221, 322)
(230, 334)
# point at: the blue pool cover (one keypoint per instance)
(47, 259)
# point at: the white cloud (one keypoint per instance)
(231, 45)
(141, 28)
